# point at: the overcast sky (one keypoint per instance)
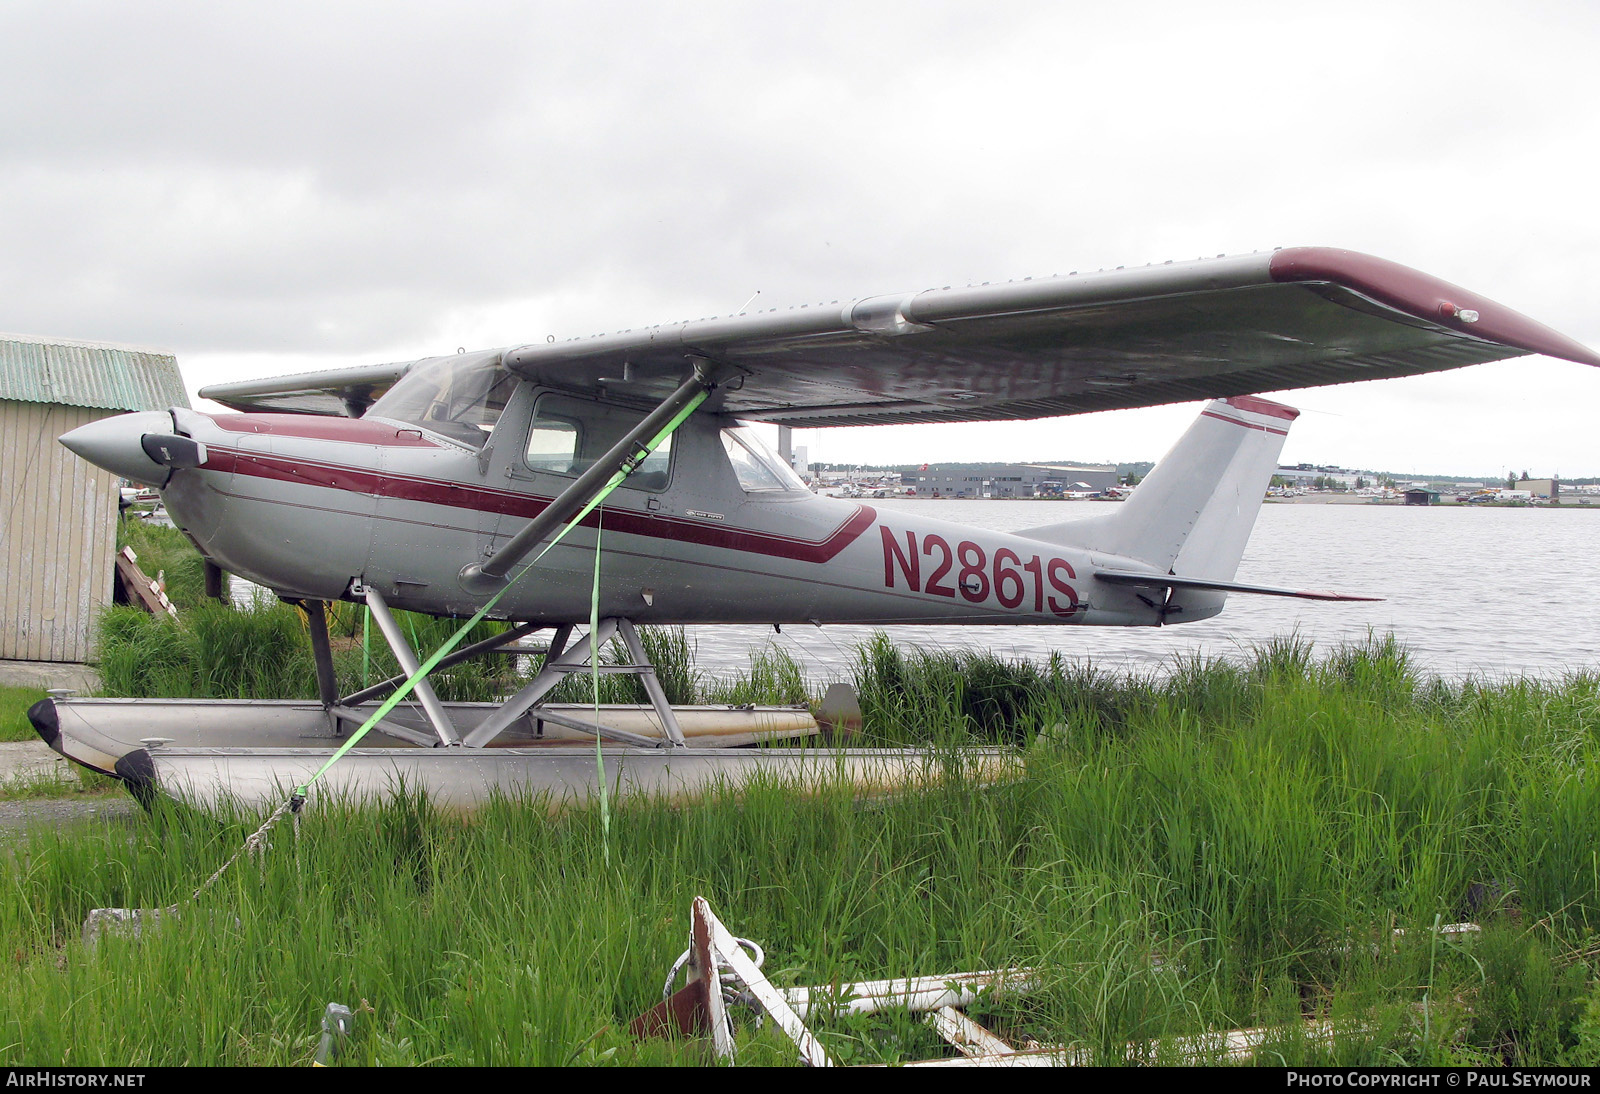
(273, 188)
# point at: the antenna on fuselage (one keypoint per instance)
(747, 303)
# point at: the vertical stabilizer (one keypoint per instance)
(1193, 513)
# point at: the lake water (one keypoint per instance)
(1492, 592)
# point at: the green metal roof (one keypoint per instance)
(96, 374)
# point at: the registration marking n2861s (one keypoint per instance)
(966, 570)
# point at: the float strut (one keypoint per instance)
(408, 661)
(652, 685)
(327, 680)
(477, 649)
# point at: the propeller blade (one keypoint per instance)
(171, 450)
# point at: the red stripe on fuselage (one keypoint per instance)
(483, 500)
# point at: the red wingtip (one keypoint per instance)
(1428, 298)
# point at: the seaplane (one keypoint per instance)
(595, 485)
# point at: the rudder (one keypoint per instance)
(1193, 513)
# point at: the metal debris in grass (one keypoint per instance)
(723, 977)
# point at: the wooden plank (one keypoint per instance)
(19, 561)
(69, 626)
(139, 589)
(684, 1012)
(57, 530)
(703, 965)
(40, 536)
(92, 565)
(46, 573)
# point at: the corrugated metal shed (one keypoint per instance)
(58, 513)
(92, 374)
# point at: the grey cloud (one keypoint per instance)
(343, 179)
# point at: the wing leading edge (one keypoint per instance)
(342, 391)
(1213, 328)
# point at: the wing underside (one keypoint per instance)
(1123, 338)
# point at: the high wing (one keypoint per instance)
(1298, 317)
(340, 391)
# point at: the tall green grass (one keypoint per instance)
(1228, 845)
(667, 648)
(480, 680)
(211, 651)
(774, 678)
(216, 651)
(14, 704)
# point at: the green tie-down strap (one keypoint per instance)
(454, 640)
(594, 682)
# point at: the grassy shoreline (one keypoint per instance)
(1232, 845)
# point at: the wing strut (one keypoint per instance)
(487, 577)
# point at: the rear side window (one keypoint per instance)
(553, 445)
(568, 435)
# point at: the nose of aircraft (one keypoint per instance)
(116, 444)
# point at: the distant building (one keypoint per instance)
(1009, 480)
(1541, 488)
(58, 514)
(1303, 475)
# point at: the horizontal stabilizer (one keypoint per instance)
(1169, 581)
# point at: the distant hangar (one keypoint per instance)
(1008, 480)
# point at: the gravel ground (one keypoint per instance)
(18, 816)
(30, 759)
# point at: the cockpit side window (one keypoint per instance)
(568, 435)
(760, 470)
(458, 397)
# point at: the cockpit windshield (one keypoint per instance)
(457, 397)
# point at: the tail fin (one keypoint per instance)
(1193, 513)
